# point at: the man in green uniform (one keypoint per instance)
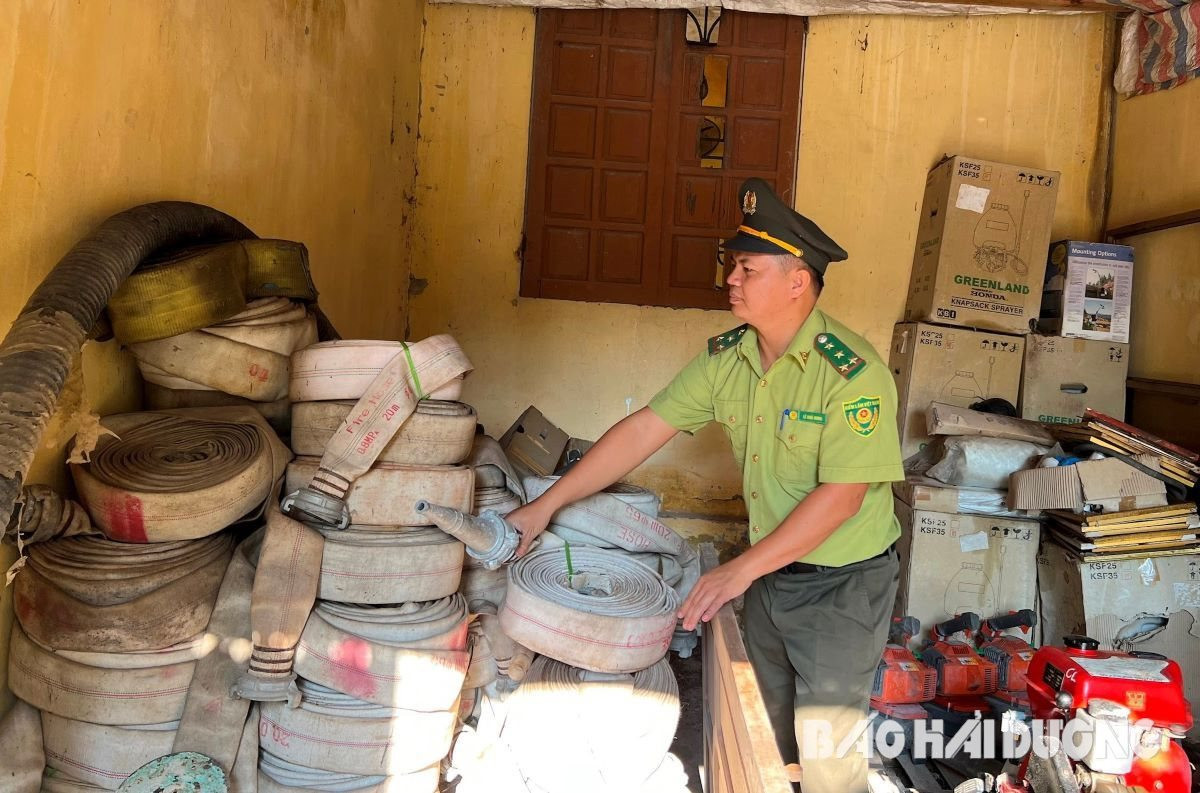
(810, 409)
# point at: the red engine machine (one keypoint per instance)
(1135, 700)
(963, 677)
(901, 681)
(1011, 654)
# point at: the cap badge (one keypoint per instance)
(749, 203)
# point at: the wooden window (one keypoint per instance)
(639, 141)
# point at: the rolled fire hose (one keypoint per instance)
(386, 494)
(611, 732)
(414, 373)
(118, 696)
(511, 659)
(608, 520)
(280, 776)
(609, 614)
(437, 433)
(346, 368)
(411, 656)
(44, 515)
(102, 755)
(493, 468)
(247, 355)
(334, 732)
(482, 669)
(57, 782)
(278, 413)
(21, 748)
(483, 585)
(389, 565)
(180, 474)
(92, 594)
(500, 500)
(197, 287)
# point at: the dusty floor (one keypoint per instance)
(689, 737)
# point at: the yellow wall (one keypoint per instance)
(884, 98)
(298, 118)
(1156, 173)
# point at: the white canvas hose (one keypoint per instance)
(118, 696)
(437, 433)
(385, 495)
(21, 748)
(413, 373)
(610, 733)
(180, 474)
(333, 732)
(482, 585)
(493, 468)
(346, 368)
(609, 520)
(92, 594)
(278, 413)
(102, 755)
(248, 355)
(412, 656)
(382, 565)
(280, 776)
(612, 615)
(500, 500)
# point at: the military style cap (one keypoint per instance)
(771, 226)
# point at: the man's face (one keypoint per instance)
(758, 286)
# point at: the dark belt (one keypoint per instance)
(796, 568)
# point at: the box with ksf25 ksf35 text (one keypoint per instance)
(981, 245)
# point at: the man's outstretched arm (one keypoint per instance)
(625, 446)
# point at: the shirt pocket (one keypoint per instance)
(798, 445)
(732, 414)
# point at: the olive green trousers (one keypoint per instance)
(814, 639)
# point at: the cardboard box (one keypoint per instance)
(1103, 598)
(981, 245)
(942, 419)
(534, 444)
(1088, 291)
(951, 365)
(1063, 377)
(951, 563)
(921, 492)
(1108, 485)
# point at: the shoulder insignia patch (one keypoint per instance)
(727, 339)
(841, 357)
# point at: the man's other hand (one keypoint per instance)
(714, 589)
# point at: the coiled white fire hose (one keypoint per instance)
(181, 474)
(411, 656)
(493, 468)
(93, 594)
(389, 565)
(334, 732)
(437, 433)
(609, 614)
(247, 355)
(414, 372)
(120, 695)
(21, 748)
(610, 732)
(280, 776)
(385, 495)
(102, 755)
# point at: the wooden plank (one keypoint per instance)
(1156, 224)
(741, 755)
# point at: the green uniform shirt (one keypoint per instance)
(810, 419)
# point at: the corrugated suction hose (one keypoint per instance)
(37, 353)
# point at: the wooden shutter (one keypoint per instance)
(618, 207)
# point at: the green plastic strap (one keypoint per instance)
(412, 370)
